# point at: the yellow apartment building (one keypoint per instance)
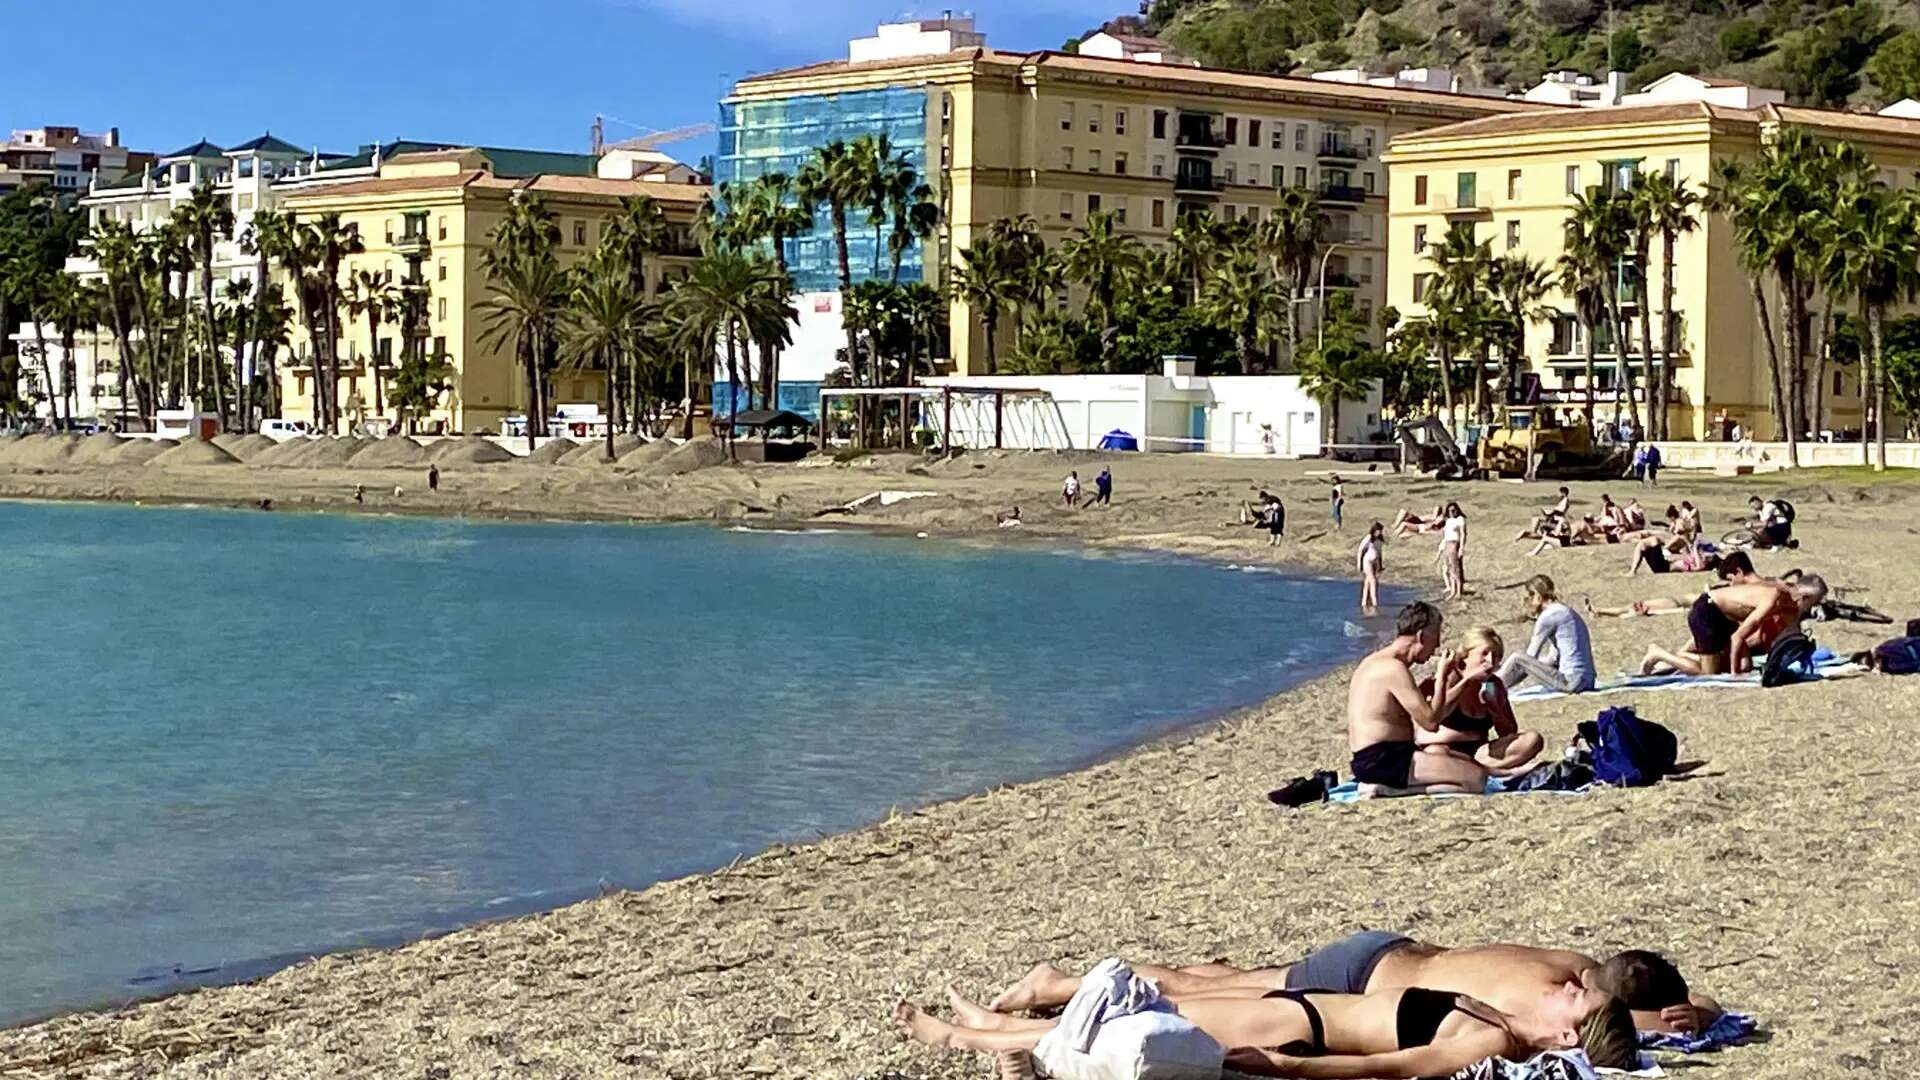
(437, 209)
(1058, 136)
(1513, 180)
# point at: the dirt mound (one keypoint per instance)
(194, 452)
(98, 449)
(141, 451)
(245, 447)
(703, 453)
(468, 451)
(595, 452)
(646, 457)
(323, 453)
(552, 453)
(393, 452)
(43, 451)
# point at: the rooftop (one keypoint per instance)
(201, 149)
(266, 144)
(1633, 115)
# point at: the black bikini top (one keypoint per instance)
(1467, 725)
(1421, 1013)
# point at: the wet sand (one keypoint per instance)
(1779, 875)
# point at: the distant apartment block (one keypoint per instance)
(66, 158)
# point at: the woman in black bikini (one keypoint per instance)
(1482, 725)
(1389, 1034)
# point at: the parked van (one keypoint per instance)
(280, 430)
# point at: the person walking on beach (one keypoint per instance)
(1070, 490)
(1102, 489)
(1338, 499)
(433, 478)
(1650, 468)
(1453, 551)
(1369, 559)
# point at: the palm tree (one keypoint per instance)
(1341, 365)
(1740, 194)
(1667, 206)
(641, 230)
(270, 326)
(890, 181)
(271, 236)
(527, 297)
(1292, 236)
(602, 319)
(1459, 280)
(1521, 286)
(1098, 256)
(206, 217)
(729, 296)
(916, 216)
(837, 178)
(766, 211)
(372, 296)
(74, 306)
(117, 255)
(1878, 257)
(171, 255)
(1239, 293)
(987, 280)
(1194, 243)
(1580, 278)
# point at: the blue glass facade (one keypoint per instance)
(760, 137)
(795, 397)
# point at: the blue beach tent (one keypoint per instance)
(1119, 440)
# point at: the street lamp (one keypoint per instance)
(1320, 317)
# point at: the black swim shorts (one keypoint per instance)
(1389, 764)
(1344, 966)
(1656, 557)
(1711, 628)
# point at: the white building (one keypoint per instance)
(918, 37)
(66, 158)
(1141, 48)
(1177, 411)
(1681, 87)
(96, 385)
(1579, 88)
(1905, 109)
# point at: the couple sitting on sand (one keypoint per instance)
(1376, 1005)
(1457, 730)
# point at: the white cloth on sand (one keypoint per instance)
(1118, 1027)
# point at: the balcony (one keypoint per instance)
(1338, 234)
(1199, 140)
(1455, 207)
(1340, 148)
(411, 244)
(1342, 193)
(1198, 183)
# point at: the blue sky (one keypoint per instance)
(530, 73)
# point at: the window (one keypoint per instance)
(1367, 142)
(1066, 207)
(1300, 139)
(1232, 173)
(1093, 161)
(440, 346)
(1366, 270)
(1159, 123)
(1119, 121)
(1279, 135)
(440, 269)
(1066, 116)
(1573, 179)
(1464, 194)
(1419, 239)
(1093, 119)
(1279, 176)
(1624, 173)
(946, 108)
(389, 230)
(1253, 133)
(1299, 176)
(1419, 191)
(1513, 183)
(443, 307)
(1839, 381)
(1513, 234)
(1068, 151)
(1673, 168)
(1421, 283)
(1232, 212)
(243, 167)
(443, 226)
(1366, 180)
(1159, 213)
(1120, 164)
(579, 234)
(1120, 211)
(1093, 205)
(1253, 214)
(1159, 164)
(246, 201)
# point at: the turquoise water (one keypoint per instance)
(237, 739)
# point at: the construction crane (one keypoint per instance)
(647, 141)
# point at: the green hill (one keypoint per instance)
(1860, 54)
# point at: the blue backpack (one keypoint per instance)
(1628, 751)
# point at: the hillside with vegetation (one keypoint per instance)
(1861, 54)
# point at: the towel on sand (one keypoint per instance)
(1118, 1027)
(1831, 667)
(1731, 1029)
(1552, 1065)
(1352, 792)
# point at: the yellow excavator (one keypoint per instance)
(1526, 441)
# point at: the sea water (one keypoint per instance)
(237, 739)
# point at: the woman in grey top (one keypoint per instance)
(1560, 655)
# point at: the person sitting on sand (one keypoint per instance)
(1409, 524)
(1633, 516)
(1408, 1032)
(1565, 532)
(1369, 559)
(1385, 705)
(1609, 516)
(1007, 519)
(1517, 979)
(1561, 505)
(1481, 726)
(1560, 655)
(1675, 556)
(1732, 623)
(1254, 513)
(1771, 524)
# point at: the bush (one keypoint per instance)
(1565, 13)
(1744, 39)
(1895, 68)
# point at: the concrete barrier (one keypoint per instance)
(1772, 456)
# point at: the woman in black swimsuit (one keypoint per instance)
(1482, 725)
(1392, 1033)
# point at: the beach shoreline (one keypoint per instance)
(782, 964)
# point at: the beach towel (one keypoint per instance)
(1731, 1029)
(1552, 1065)
(1351, 792)
(1118, 1027)
(1827, 666)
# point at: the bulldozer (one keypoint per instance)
(1526, 441)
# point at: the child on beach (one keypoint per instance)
(1370, 562)
(1338, 498)
(1070, 490)
(1453, 551)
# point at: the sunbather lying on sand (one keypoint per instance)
(1411, 1032)
(1516, 979)
(1733, 568)
(1732, 623)
(1410, 524)
(1675, 556)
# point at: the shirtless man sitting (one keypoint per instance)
(1731, 623)
(1385, 705)
(1516, 979)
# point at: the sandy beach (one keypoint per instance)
(1778, 875)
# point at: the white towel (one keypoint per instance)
(1118, 1027)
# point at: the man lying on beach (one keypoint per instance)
(1733, 568)
(1513, 978)
(1385, 705)
(1481, 726)
(1732, 623)
(1401, 1033)
(1675, 556)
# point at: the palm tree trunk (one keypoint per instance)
(1482, 408)
(733, 388)
(1826, 362)
(1775, 376)
(1670, 346)
(1585, 316)
(1444, 348)
(613, 408)
(991, 323)
(69, 370)
(533, 385)
(1657, 382)
(118, 315)
(1623, 360)
(46, 365)
(1876, 330)
(1790, 408)
(373, 360)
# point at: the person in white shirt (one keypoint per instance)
(1070, 490)
(1369, 559)
(1453, 551)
